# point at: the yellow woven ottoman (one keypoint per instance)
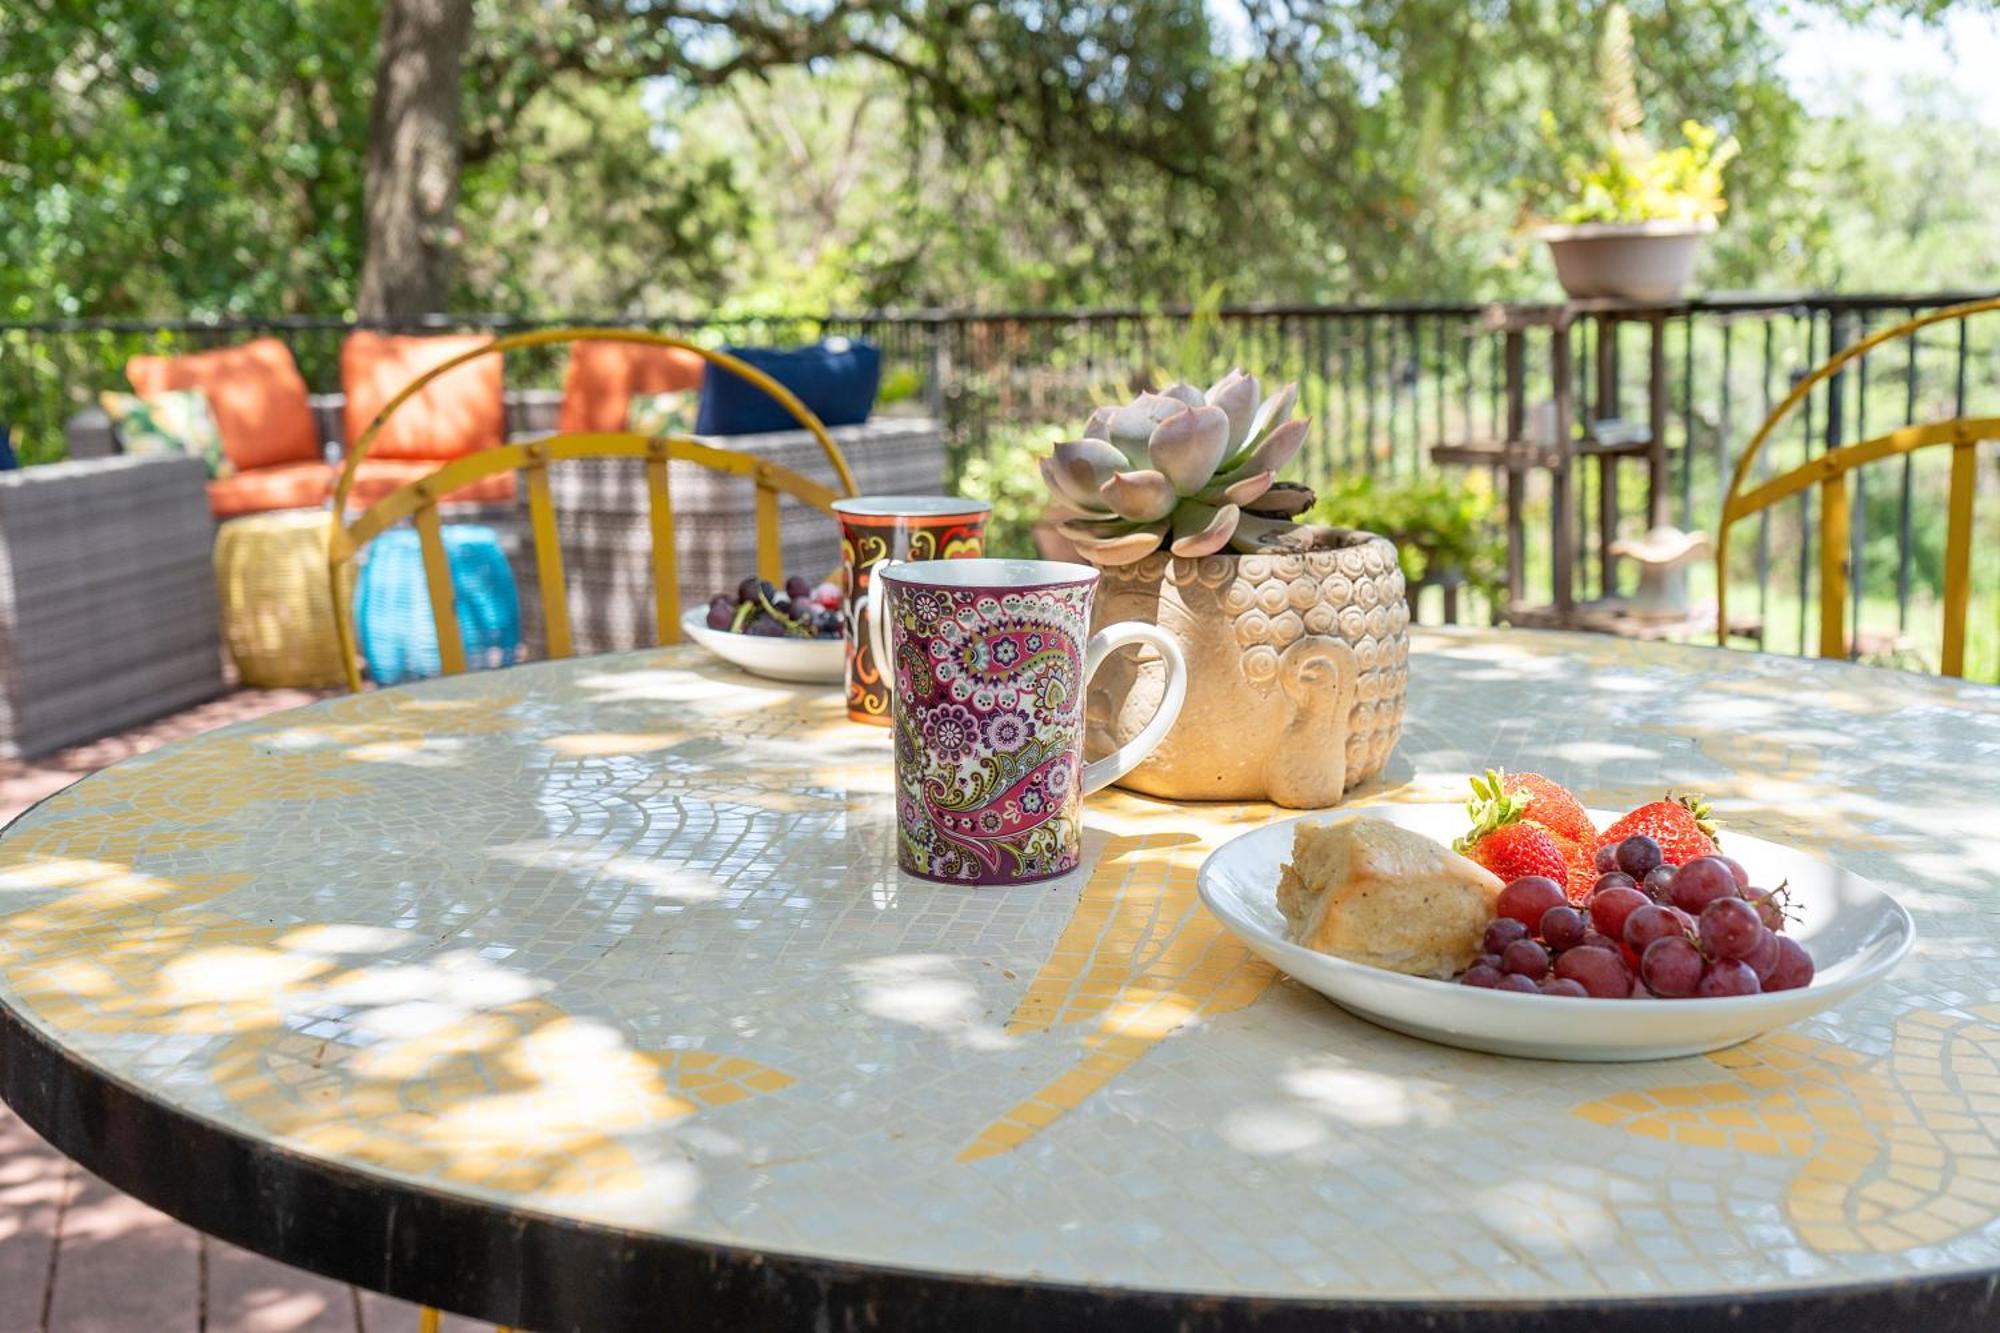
(277, 616)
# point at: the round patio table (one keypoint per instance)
(587, 995)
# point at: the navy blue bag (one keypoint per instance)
(836, 379)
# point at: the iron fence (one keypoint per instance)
(1388, 385)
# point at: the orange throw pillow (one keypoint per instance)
(603, 376)
(255, 392)
(460, 412)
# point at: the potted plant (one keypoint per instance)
(1639, 213)
(1296, 634)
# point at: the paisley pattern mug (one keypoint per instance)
(875, 529)
(990, 659)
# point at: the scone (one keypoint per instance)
(1366, 890)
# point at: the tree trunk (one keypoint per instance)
(413, 158)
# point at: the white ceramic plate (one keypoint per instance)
(803, 661)
(1854, 931)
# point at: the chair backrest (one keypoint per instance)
(418, 500)
(1831, 472)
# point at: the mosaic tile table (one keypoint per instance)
(586, 995)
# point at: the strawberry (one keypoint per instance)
(1513, 850)
(1680, 824)
(1583, 870)
(1551, 805)
(1541, 803)
(1506, 844)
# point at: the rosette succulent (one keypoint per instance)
(1191, 471)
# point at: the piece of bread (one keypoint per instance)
(1372, 892)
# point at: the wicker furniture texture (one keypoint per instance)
(277, 619)
(107, 602)
(606, 542)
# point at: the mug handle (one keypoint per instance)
(1102, 772)
(867, 604)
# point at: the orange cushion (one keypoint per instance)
(459, 413)
(376, 477)
(282, 486)
(603, 376)
(255, 392)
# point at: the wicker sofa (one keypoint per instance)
(107, 598)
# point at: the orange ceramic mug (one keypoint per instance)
(880, 529)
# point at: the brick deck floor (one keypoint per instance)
(77, 1256)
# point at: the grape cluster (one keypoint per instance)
(801, 611)
(1648, 930)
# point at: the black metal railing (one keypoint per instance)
(1388, 384)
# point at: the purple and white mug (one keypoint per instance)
(990, 659)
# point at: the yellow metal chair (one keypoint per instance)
(418, 500)
(1831, 471)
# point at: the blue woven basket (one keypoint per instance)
(392, 606)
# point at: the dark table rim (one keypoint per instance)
(533, 1270)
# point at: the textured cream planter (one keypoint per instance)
(1297, 667)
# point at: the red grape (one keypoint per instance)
(1563, 927)
(1610, 907)
(1658, 883)
(1736, 869)
(1491, 960)
(1763, 959)
(1503, 932)
(1564, 986)
(1606, 859)
(1597, 939)
(1637, 855)
(1700, 882)
(1671, 967)
(1528, 897)
(1479, 974)
(1616, 879)
(1795, 966)
(1525, 958)
(1601, 972)
(1649, 923)
(1727, 977)
(1514, 981)
(1730, 928)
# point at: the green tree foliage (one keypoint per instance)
(165, 157)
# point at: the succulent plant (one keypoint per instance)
(1192, 471)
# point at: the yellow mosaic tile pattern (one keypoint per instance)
(1889, 1157)
(1139, 959)
(518, 1097)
